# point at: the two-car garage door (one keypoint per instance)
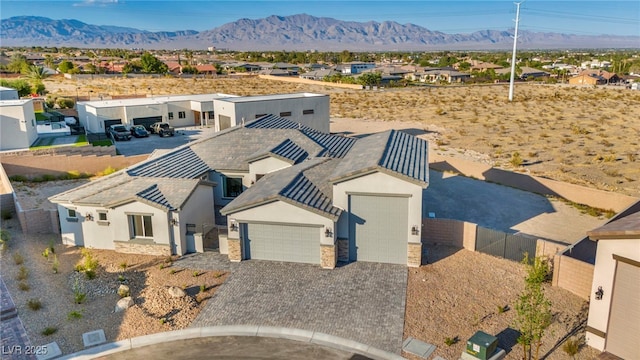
(280, 242)
(378, 228)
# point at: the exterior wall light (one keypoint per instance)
(328, 233)
(88, 217)
(599, 293)
(415, 230)
(174, 222)
(234, 226)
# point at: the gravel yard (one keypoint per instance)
(148, 277)
(459, 292)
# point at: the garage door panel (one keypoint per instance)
(379, 227)
(624, 322)
(278, 242)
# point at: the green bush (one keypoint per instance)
(18, 178)
(56, 264)
(23, 286)
(78, 296)
(90, 274)
(49, 177)
(18, 259)
(34, 304)
(49, 330)
(74, 315)
(450, 341)
(203, 288)
(23, 274)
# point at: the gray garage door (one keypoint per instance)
(624, 321)
(108, 123)
(378, 228)
(279, 242)
(147, 121)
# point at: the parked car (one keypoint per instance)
(162, 129)
(119, 132)
(139, 131)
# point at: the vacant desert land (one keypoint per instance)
(583, 135)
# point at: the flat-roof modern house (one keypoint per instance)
(177, 110)
(277, 191)
(17, 124)
(307, 109)
(613, 325)
(219, 110)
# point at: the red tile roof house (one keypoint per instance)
(276, 190)
(613, 325)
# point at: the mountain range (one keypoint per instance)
(295, 32)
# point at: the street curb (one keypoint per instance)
(300, 335)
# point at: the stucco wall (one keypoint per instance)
(50, 164)
(18, 129)
(603, 275)
(198, 210)
(265, 166)
(573, 275)
(310, 82)
(217, 177)
(379, 183)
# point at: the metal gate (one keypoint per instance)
(508, 246)
(147, 121)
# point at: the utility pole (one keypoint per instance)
(513, 56)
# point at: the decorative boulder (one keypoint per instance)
(123, 291)
(123, 304)
(176, 292)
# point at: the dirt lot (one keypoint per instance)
(582, 135)
(459, 292)
(148, 278)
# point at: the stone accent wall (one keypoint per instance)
(129, 247)
(235, 250)
(343, 249)
(414, 255)
(328, 255)
(573, 275)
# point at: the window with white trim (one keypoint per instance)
(140, 226)
(102, 216)
(71, 213)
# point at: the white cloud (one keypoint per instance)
(97, 3)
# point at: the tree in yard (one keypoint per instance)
(18, 64)
(36, 75)
(151, 65)
(66, 67)
(533, 309)
(370, 79)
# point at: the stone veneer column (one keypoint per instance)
(414, 254)
(235, 251)
(328, 256)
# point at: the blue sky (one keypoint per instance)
(574, 17)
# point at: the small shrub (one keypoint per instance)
(79, 268)
(23, 286)
(49, 330)
(34, 304)
(7, 214)
(163, 321)
(108, 171)
(18, 259)
(572, 346)
(123, 293)
(45, 254)
(450, 341)
(18, 178)
(196, 273)
(52, 250)
(218, 275)
(74, 315)
(56, 264)
(203, 288)
(89, 262)
(516, 159)
(90, 274)
(23, 273)
(161, 266)
(78, 296)
(502, 309)
(173, 271)
(49, 177)
(123, 265)
(121, 278)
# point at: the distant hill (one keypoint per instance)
(295, 32)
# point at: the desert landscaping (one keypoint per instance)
(581, 135)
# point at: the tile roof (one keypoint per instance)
(333, 145)
(292, 185)
(190, 166)
(287, 150)
(154, 195)
(393, 151)
(275, 122)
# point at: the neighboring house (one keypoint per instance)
(614, 308)
(525, 72)
(7, 93)
(178, 110)
(318, 74)
(354, 67)
(587, 79)
(609, 77)
(274, 72)
(17, 124)
(308, 109)
(481, 66)
(284, 191)
(444, 75)
(291, 69)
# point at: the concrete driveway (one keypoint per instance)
(139, 146)
(504, 208)
(360, 301)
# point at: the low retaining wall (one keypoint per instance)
(59, 164)
(310, 82)
(573, 275)
(450, 232)
(579, 194)
(38, 221)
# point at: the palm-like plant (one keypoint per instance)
(36, 75)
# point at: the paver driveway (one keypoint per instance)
(360, 301)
